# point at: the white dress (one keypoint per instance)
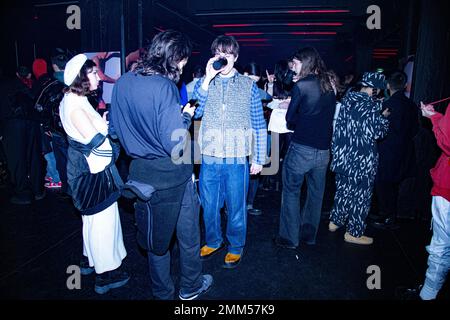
(102, 231)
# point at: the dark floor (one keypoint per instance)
(40, 241)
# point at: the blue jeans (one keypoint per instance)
(302, 162)
(51, 167)
(439, 249)
(224, 180)
(60, 146)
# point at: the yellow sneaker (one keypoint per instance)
(232, 260)
(207, 252)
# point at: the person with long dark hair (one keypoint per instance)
(310, 115)
(92, 177)
(146, 115)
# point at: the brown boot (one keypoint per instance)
(358, 240)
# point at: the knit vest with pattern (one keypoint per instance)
(226, 130)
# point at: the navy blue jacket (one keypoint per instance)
(145, 113)
(396, 151)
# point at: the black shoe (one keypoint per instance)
(85, 269)
(283, 243)
(39, 196)
(19, 200)
(254, 212)
(386, 224)
(404, 293)
(63, 196)
(110, 280)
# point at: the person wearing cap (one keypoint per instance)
(359, 125)
(47, 103)
(22, 139)
(43, 81)
(92, 177)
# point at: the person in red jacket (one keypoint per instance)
(439, 248)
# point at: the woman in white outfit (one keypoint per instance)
(92, 176)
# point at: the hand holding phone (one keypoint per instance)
(190, 107)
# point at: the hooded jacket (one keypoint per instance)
(359, 125)
(441, 172)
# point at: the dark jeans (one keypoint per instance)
(23, 149)
(302, 162)
(188, 236)
(252, 189)
(60, 146)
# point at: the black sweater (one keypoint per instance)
(310, 114)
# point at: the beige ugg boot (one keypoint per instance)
(364, 240)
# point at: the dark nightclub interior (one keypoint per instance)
(41, 239)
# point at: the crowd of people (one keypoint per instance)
(363, 133)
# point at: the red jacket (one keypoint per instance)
(441, 172)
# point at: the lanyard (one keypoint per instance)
(436, 102)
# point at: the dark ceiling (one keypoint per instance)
(272, 30)
(266, 30)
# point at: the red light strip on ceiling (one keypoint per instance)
(253, 40)
(307, 33)
(232, 25)
(256, 45)
(386, 54)
(243, 33)
(316, 11)
(314, 40)
(385, 50)
(320, 24)
(314, 32)
(289, 24)
(381, 57)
